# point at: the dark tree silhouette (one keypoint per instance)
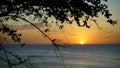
(61, 10)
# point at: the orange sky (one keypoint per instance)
(72, 34)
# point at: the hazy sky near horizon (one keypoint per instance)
(107, 34)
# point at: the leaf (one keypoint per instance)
(112, 22)
(46, 30)
(87, 26)
(61, 26)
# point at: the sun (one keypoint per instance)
(81, 42)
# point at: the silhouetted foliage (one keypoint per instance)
(62, 10)
(11, 32)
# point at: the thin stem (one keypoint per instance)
(35, 27)
(5, 55)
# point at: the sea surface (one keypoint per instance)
(72, 56)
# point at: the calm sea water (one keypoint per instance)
(74, 56)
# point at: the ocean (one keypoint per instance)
(72, 56)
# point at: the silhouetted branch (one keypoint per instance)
(10, 62)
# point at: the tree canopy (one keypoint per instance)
(61, 10)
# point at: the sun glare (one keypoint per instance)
(81, 42)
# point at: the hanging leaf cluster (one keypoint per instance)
(16, 37)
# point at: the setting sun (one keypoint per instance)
(81, 42)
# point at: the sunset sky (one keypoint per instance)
(72, 34)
